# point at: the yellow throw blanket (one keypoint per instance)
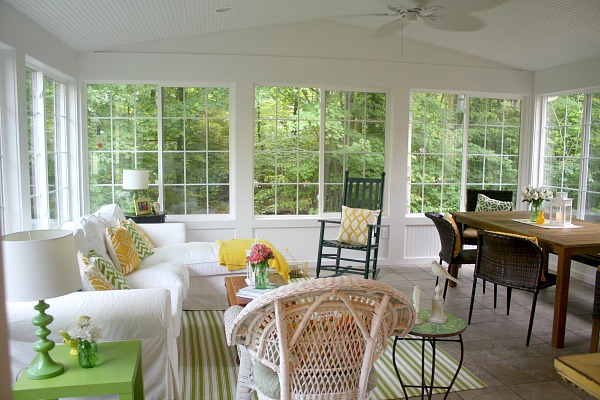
(232, 254)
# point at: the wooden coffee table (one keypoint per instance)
(235, 283)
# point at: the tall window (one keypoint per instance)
(572, 150)
(297, 130)
(47, 121)
(189, 148)
(122, 122)
(196, 150)
(450, 151)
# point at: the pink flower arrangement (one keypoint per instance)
(260, 253)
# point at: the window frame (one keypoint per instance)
(466, 125)
(580, 205)
(159, 186)
(322, 184)
(38, 131)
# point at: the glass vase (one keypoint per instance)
(534, 211)
(87, 352)
(261, 275)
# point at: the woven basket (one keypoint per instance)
(298, 268)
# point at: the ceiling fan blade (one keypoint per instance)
(405, 3)
(458, 23)
(365, 15)
(388, 29)
(469, 6)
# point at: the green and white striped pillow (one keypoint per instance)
(112, 274)
(139, 242)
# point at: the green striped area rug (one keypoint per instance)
(208, 368)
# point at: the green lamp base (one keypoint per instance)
(43, 366)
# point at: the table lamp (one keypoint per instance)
(135, 179)
(38, 265)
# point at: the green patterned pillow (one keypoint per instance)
(485, 203)
(138, 241)
(114, 276)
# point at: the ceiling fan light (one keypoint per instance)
(411, 16)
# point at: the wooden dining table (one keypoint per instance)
(564, 242)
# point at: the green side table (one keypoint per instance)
(119, 371)
(449, 331)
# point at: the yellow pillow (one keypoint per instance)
(145, 239)
(353, 226)
(91, 277)
(532, 238)
(457, 244)
(122, 246)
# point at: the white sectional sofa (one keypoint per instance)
(151, 311)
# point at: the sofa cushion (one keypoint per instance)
(169, 275)
(201, 258)
(91, 276)
(114, 275)
(89, 234)
(122, 249)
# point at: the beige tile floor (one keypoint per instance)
(494, 343)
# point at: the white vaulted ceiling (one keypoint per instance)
(520, 34)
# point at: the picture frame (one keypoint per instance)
(142, 206)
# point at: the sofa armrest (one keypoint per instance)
(120, 314)
(166, 233)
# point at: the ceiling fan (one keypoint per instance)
(449, 15)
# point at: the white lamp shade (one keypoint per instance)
(135, 179)
(40, 264)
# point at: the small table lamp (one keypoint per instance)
(135, 179)
(38, 265)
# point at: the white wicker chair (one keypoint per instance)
(319, 339)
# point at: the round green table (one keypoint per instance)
(449, 331)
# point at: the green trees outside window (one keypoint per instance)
(191, 152)
(293, 127)
(449, 152)
(571, 161)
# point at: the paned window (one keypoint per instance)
(195, 150)
(298, 131)
(179, 134)
(458, 141)
(571, 161)
(122, 126)
(47, 144)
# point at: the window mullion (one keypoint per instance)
(585, 154)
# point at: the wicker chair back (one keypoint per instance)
(323, 336)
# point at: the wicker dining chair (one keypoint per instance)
(452, 251)
(514, 262)
(316, 339)
(469, 235)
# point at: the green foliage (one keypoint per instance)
(287, 145)
(436, 145)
